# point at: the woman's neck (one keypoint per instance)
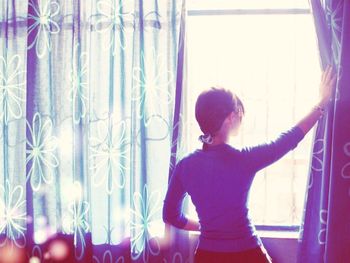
(220, 138)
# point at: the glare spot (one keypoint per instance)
(44, 20)
(155, 228)
(29, 219)
(40, 236)
(36, 151)
(65, 140)
(47, 255)
(72, 190)
(34, 260)
(58, 250)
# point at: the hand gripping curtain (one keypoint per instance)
(325, 232)
(88, 97)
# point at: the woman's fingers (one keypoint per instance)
(334, 77)
(328, 76)
(325, 73)
(328, 83)
(333, 80)
(328, 73)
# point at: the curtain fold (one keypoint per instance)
(89, 94)
(325, 229)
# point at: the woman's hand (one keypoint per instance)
(327, 86)
(326, 91)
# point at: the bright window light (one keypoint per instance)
(271, 62)
(245, 4)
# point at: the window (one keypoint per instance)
(266, 52)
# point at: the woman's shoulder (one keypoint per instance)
(189, 158)
(200, 155)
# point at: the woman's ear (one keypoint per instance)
(232, 116)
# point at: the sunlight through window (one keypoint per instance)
(271, 61)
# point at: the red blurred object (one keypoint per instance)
(10, 253)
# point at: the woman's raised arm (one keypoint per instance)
(260, 156)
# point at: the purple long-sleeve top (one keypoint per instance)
(218, 180)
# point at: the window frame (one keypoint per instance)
(256, 11)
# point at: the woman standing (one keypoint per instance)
(218, 177)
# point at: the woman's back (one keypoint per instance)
(218, 179)
(219, 185)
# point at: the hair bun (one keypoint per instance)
(206, 138)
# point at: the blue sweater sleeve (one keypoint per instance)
(260, 156)
(172, 209)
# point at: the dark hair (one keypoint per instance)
(212, 108)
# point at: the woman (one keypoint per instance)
(219, 176)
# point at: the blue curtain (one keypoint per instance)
(325, 232)
(90, 95)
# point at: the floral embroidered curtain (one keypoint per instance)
(325, 229)
(89, 94)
